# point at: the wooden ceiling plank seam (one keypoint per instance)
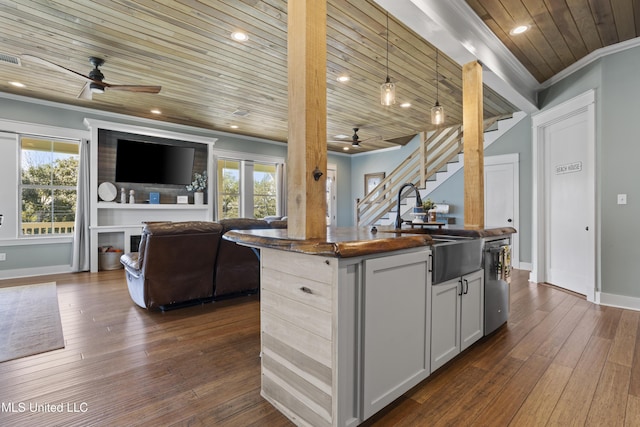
(553, 30)
(205, 39)
(561, 14)
(538, 50)
(636, 15)
(538, 70)
(584, 19)
(603, 18)
(204, 71)
(624, 19)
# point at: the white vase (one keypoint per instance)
(198, 198)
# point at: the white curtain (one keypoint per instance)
(281, 190)
(213, 182)
(81, 255)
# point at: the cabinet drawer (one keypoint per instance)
(306, 316)
(311, 267)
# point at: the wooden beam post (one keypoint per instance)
(307, 144)
(472, 115)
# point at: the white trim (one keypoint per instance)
(577, 105)
(28, 241)
(142, 120)
(586, 60)
(34, 271)
(140, 130)
(245, 155)
(525, 266)
(34, 129)
(620, 301)
(382, 150)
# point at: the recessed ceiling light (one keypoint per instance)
(519, 30)
(341, 136)
(345, 148)
(17, 84)
(405, 105)
(343, 79)
(234, 126)
(240, 36)
(156, 111)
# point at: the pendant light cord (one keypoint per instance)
(387, 47)
(437, 80)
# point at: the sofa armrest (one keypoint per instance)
(131, 264)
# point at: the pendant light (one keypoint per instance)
(437, 111)
(387, 89)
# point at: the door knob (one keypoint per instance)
(587, 228)
(509, 220)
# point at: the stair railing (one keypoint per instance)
(432, 154)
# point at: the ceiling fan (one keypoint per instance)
(355, 139)
(94, 81)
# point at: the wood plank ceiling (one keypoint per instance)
(211, 81)
(561, 32)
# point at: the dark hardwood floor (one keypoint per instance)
(560, 361)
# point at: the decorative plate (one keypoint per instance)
(107, 192)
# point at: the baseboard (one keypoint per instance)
(525, 266)
(620, 301)
(34, 271)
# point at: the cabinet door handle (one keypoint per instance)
(306, 290)
(466, 290)
(461, 287)
(430, 263)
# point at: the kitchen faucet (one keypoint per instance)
(418, 202)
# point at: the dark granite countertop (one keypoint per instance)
(351, 241)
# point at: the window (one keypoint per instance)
(247, 188)
(228, 189)
(48, 179)
(264, 190)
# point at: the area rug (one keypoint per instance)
(29, 321)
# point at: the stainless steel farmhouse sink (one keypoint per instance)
(455, 256)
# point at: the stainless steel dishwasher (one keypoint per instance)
(497, 277)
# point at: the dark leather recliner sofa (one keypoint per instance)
(184, 262)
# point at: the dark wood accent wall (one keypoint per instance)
(107, 147)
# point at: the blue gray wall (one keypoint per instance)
(615, 81)
(42, 258)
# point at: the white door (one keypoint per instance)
(501, 197)
(564, 186)
(567, 190)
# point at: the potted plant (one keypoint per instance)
(198, 185)
(428, 205)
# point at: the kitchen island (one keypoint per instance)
(346, 320)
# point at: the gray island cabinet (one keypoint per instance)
(343, 337)
(347, 324)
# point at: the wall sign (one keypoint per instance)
(569, 168)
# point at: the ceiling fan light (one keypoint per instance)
(387, 93)
(96, 88)
(437, 114)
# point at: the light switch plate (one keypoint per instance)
(622, 199)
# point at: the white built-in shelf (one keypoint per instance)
(144, 206)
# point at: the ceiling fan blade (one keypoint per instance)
(57, 67)
(85, 93)
(133, 88)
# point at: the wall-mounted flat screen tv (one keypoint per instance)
(152, 163)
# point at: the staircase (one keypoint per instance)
(437, 157)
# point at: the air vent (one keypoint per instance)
(9, 59)
(241, 113)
